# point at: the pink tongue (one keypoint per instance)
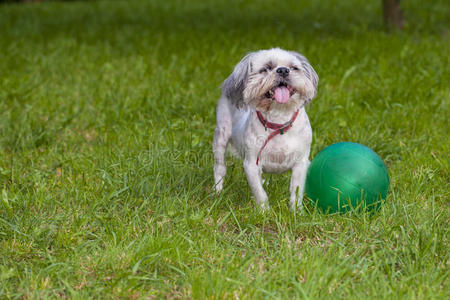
(281, 94)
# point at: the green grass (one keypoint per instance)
(107, 112)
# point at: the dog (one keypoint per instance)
(261, 116)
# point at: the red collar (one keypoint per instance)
(279, 129)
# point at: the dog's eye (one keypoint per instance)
(265, 69)
(294, 68)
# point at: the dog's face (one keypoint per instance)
(272, 79)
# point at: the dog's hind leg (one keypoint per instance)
(253, 173)
(222, 135)
(298, 178)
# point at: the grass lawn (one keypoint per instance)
(107, 113)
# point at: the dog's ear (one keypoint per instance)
(309, 72)
(233, 87)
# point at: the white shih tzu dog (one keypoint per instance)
(261, 115)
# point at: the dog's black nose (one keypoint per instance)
(283, 71)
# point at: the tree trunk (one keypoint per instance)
(392, 13)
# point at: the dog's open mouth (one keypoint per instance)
(281, 92)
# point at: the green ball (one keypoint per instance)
(345, 176)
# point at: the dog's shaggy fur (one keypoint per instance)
(250, 88)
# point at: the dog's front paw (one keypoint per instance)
(264, 206)
(297, 207)
(218, 188)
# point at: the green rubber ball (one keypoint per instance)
(347, 175)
